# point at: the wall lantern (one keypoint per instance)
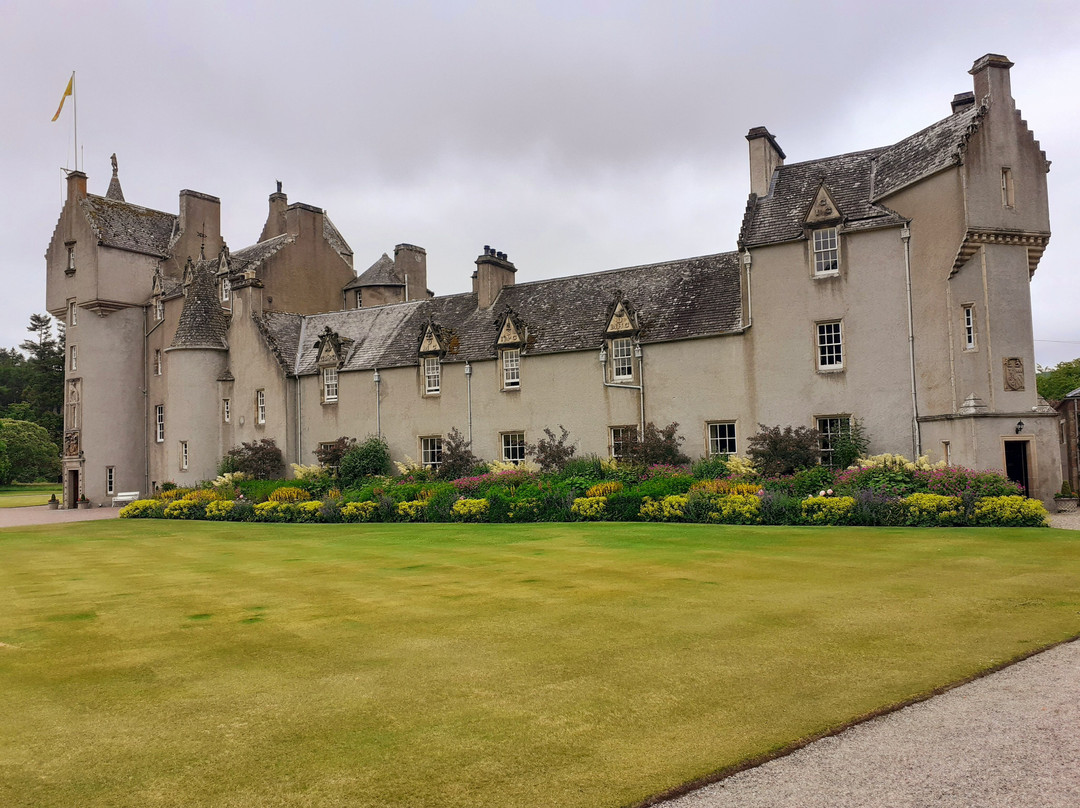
(1019, 427)
(603, 355)
(376, 378)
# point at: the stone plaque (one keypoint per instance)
(1014, 373)
(71, 443)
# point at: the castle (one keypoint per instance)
(888, 285)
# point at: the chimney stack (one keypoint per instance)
(76, 186)
(765, 157)
(304, 221)
(493, 272)
(992, 83)
(962, 100)
(275, 219)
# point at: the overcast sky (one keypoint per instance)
(575, 136)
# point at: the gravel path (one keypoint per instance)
(43, 515)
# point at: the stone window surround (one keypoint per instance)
(825, 252)
(830, 345)
(513, 446)
(721, 438)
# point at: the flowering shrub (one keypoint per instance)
(735, 509)
(412, 510)
(740, 467)
(933, 509)
(471, 510)
(509, 478)
(1009, 511)
(271, 511)
(310, 511)
(143, 509)
(220, 509)
(229, 480)
(524, 510)
(169, 494)
(359, 511)
(725, 486)
(184, 509)
(526, 466)
(956, 481)
(202, 495)
(311, 472)
(605, 489)
(589, 509)
(668, 509)
(288, 493)
(827, 510)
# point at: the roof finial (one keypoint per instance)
(279, 186)
(115, 191)
(202, 245)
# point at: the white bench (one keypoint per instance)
(124, 497)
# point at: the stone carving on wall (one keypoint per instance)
(71, 443)
(1014, 373)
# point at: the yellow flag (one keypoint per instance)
(67, 92)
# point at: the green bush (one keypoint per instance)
(828, 510)
(710, 468)
(368, 459)
(470, 510)
(779, 508)
(589, 469)
(807, 482)
(260, 459)
(933, 509)
(669, 509)
(185, 509)
(359, 511)
(219, 510)
(143, 509)
(1009, 511)
(440, 502)
(499, 504)
(589, 509)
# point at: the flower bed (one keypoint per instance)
(884, 490)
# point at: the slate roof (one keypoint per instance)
(562, 314)
(203, 323)
(251, 258)
(857, 181)
(382, 273)
(129, 227)
(336, 240)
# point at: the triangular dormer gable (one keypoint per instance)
(329, 349)
(189, 274)
(223, 262)
(622, 320)
(432, 343)
(512, 332)
(824, 209)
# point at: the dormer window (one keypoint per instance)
(511, 367)
(330, 385)
(432, 375)
(622, 358)
(826, 251)
(329, 351)
(513, 337)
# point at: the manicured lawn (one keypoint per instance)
(158, 663)
(21, 495)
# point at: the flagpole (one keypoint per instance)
(75, 115)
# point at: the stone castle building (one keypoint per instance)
(888, 285)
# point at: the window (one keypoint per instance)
(969, 327)
(431, 375)
(183, 456)
(830, 346)
(159, 310)
(946, 452)
(73, 314)
(622, 357)
(359, 299)
(73, 357)
(110, 480)
(722, 438)
(1008, 198)
(329, 385)
(831, 427)
(70, 269)
(623, 440)
(260, 406)
(226, 413)
(826, 251)
(157, 362)
(159, 422)
(431, 452)
(226, 287)
(511, 365)
(513, 447)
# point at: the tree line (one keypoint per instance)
(32, 403)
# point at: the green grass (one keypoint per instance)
(19, 495)
(156, 663)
